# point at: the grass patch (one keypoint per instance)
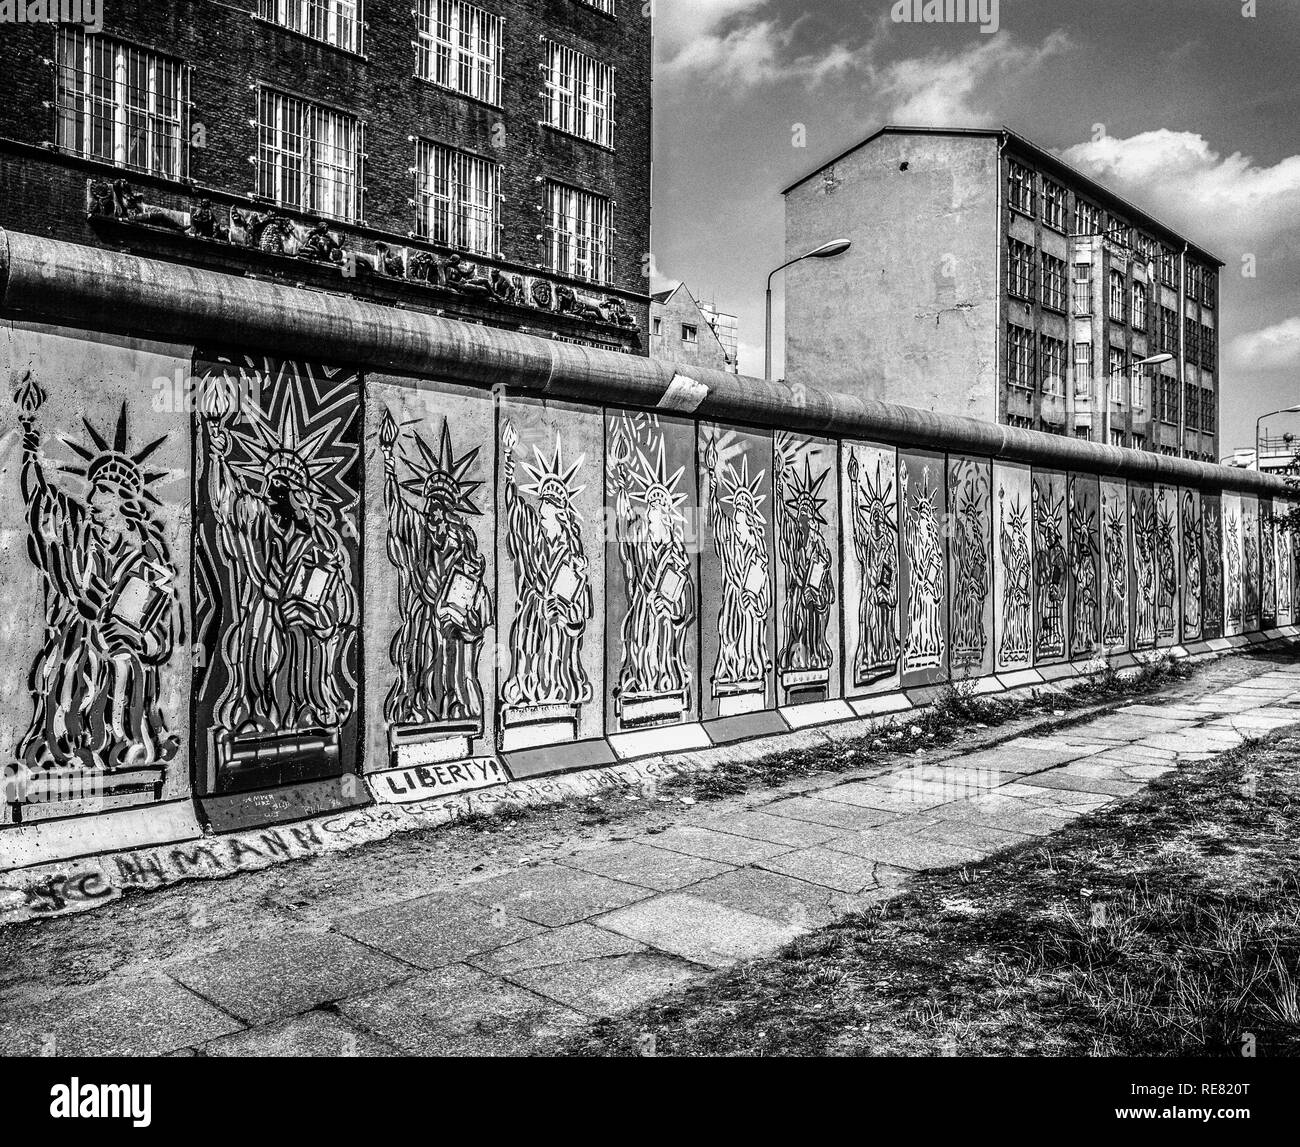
(1167, 924)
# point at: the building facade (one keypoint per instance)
(486, 160)
(989, 279)
(682, 329)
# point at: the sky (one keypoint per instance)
(1188, 108)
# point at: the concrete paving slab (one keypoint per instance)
(830, 867)
(699, 930)
(829, 813)
(773, 829)
(646, 866)
(554, 894)
(1072, 782)
(784, 899)
(568, 944)
(984, 837)
(879, 794)
(265, 980)
(722, 847)
(917, 851)
(609, 986)
(317, 1034)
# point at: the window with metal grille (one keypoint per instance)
(458, 197)
(1139, 441)
(1021, 188)
(1166, 398)
(1020, 422)
(1139, 387)
(1192, 401)
(1081, 290)
(120, 104)
(1053, 365)
(1083, 433)
(1209, 412)
(1168, 267)
(1139, 318)
(1020, 358)
(578, 233)
(1116, 362)
(600, 5)
(1167, 330)
(1117, 438)
(1192, 339)
(1053, 205)
(458, 46)
(1195, 280)
(1083, 369)
(1116, 308)
(1209, 347)
(1087, 218)
(1053, 282)
(1209, 287)
(1020, 281)
(308, 156)
(579, 94)
(336, 22)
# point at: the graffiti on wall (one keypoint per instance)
(110, 608)
(926, 642)
(547, 684)
(654, 678)
(1212, 553)
(1250, 564)
(805, 657)
(1268, 567)
(1193, 564)
(1017, 578)
(1282, 555)
(874, 508)
(972, 579)
(1143, 512)
(1115, 547)
(1167, 557)
(1051, 565)
(1234, 590)
(1085, 566)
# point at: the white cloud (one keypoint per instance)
(1179, 178)
(1272, 348)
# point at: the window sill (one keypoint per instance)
(607, 147)
(456, 92)
(306, 39)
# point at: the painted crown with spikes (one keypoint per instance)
(551, 482)
(742, 493)
(440, 475)
(806, 491)
(654, 486)
(285, 454)
(114, 465)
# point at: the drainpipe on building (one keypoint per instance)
(1182, 353)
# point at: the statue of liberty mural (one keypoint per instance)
(925, 636)
(1049, 573)
(1191, 567)
(809, 568)
(1166, 568)
(1212, 610)
(553, 600)
(1233, 579)
(1083, 564)
(653, 679)
(1115, 627)
(970, 495)
(289, 596)
(1250, 567)
(1268, 568)
(1283, 548)
(1144, 570)
(112, 615)
(875, 541)
(442, 600)
(1017, 595)
(740, 540)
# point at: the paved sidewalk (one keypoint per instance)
(491, 964)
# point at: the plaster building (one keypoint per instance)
(987, 278)
(486, 160)
(683, 329)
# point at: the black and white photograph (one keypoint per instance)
(575, 529)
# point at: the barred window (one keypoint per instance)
(579, 94)
(1087, 219)
(1209, 412)
(1116, 364)
(1021, 189)
(336, 22)
(1139, 387)
(1021, 279)
(600, 5)
(1209, 287)
(1083, 433)
(1081, 292)
(1167, 330)
(1192, 401)
(308, 156)
(1020, 358)
(1168, 267)
(119, 104)
(458, 198)
(458, 46)
(1083, 370)
(1166, 398)
(1053, 282)
(1139, 441)
(1140, 306)
(1209, 346)
(1192, 339)
(1116, 308)
(1117, 437)
(579, 231)
(1053, 365)
(1053, 205)
(1020, 422)
(1195, 280)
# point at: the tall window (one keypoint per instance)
(1083, 370)
(1116, 363)
(458, 46)
(1020, 358)
(1209, 412)
(1140, 306)
(457, 197)
(1115, 308)
(1087, 219)
(1139, 387)
(336, 22)
(1195, 280)
(1209, 287)
(1167, 330)
(308, 156)
(1192, 339)
(1117, 437)
(1053, 366)
(1053, 205)
(1166, 398)
(579, 230)
(1168, 267)
(1053, 282)
(1209, 347)
(1021, 278)
(579, 94)
(119, 104)
(1021, 188)
(601, 5)
(1192, 403)
(1081, 290)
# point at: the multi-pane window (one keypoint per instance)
(458, 197)
(1117, 437)
(1192, 401)
(1209, 347)
(1209, 287)
(1195, 280)
(119, 104)
(458, 46)
(1053, 365)
(579, 94)
(1087, 218)
(1081, 290)
(1116, 364)
(1020, 357)
(690, 334)
(600, 5)
(1020, 422)
(1053, 282)
(578, 233)
(336, 22)
(1166, 398)
(1053, 205)
(1209, 412)
(1138, 380)
(1139, 318)
(308, 156)
(1192, 339)
(1021, 188)
(1167, 330)
(1083, 433)
(1020, 281)
(1139, 441)
(1168, 267)
(1083, 369)
(1115, 306)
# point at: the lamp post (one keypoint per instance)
(825, 251)
(1284, 410)
(1153, 360)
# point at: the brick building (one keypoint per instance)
(487, 160)
(988, 278)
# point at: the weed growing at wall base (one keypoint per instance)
(88, 13)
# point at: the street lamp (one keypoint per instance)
(1153, 360)
(1284, 410)
(825, 251)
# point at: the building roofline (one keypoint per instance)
(1040, 156)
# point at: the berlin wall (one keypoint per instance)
(267, 553)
